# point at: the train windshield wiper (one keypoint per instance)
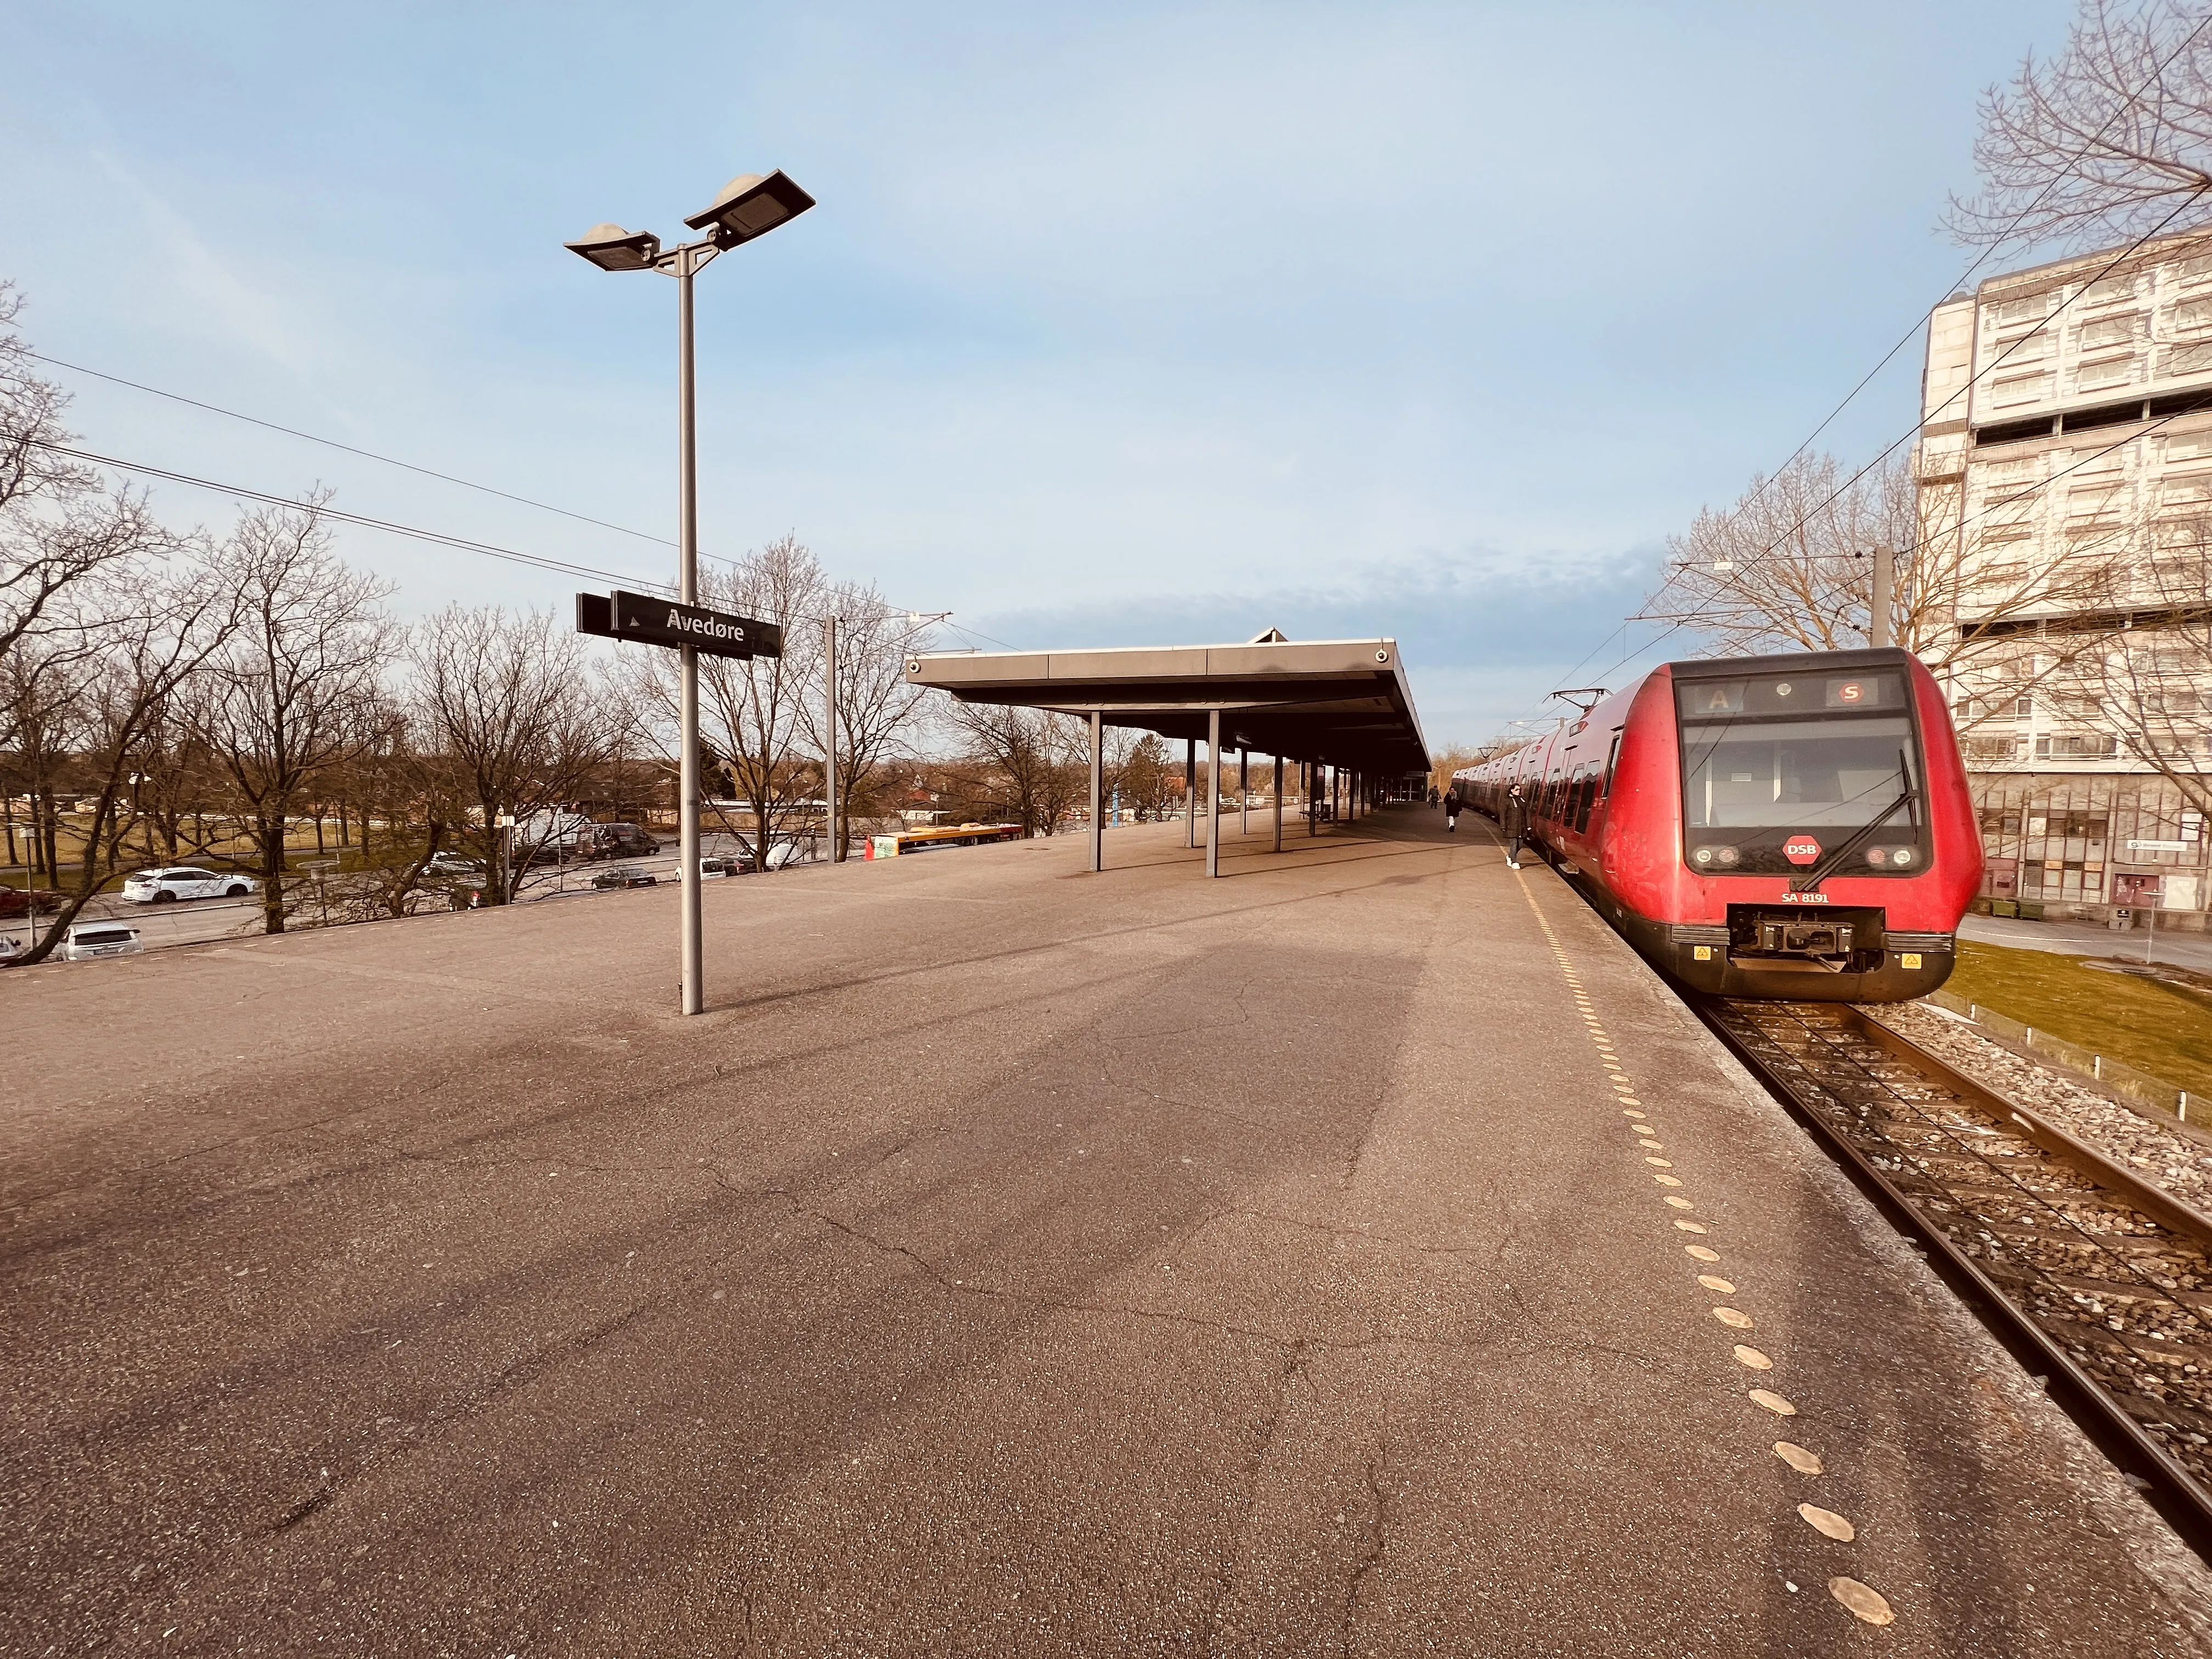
(1811, 880)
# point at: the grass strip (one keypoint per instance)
(2155, 1026)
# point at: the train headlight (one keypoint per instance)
(1706, 856)
(1901, 856)
(1702, 858)
(1726, 856)
(1877, 856)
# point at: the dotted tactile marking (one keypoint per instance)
(1861, 1601)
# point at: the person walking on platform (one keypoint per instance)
(1451, 808)
(1515, 822)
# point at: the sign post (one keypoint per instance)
(691, 630)
(2151, 890)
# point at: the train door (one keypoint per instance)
(1599, 790)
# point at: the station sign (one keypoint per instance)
(2158, 846)
(644, 620)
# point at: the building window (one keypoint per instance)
(2184, 360)
(2111, 371)
(2091, 747)
(2019, 389)
(2015, 313)
(2105, 332)
(2110, 291)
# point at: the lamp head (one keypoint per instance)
(612, 248)
(751, 205)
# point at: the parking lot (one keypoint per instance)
(201, 921)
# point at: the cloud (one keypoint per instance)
(216, 299)
(1472, 610)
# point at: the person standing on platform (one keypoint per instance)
(1515, 822)
(1451, 808)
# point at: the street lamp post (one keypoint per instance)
(749, 205)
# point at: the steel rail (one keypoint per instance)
(2172, 1489)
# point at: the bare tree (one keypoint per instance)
(2109, 142)
(296, 690)
(755, 714)
(1031, 765)
(877, 704)
(107, 703)
(1149, 780)
(421, 800)
(1787, 566)
(506, 701)
(58, 532)
(2150, 681)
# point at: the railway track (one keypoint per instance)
(2093, 1277)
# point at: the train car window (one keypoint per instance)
(1611, 763)
(1799, 757)
(1585, 798)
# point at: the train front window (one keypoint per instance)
(1780, 770)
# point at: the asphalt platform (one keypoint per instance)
(1013, 1261)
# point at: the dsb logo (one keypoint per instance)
(1801, 849)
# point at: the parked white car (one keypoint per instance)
(185, 881)
(87, 939)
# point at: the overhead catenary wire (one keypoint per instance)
(1992, 367)
(2009, 501)
(1919, 323)
(1676, 624)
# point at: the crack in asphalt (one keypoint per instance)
(1372, 1558)
(1294, 1364)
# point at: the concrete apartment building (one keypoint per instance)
(2064, 480)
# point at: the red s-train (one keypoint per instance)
(1795, 827)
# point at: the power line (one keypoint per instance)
(2010, 500)
(438, 537)
(2019, 218)
(370, 454)
(1906, 436)
(414, 532)
(350, 449)
(1903, 339)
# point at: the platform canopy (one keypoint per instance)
(1342, 702)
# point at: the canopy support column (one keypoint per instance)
(1243, 792)
(1190, 792)
(1213, 792)
(1278, 803)
(1097, 792)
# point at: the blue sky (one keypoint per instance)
(1117, 323)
